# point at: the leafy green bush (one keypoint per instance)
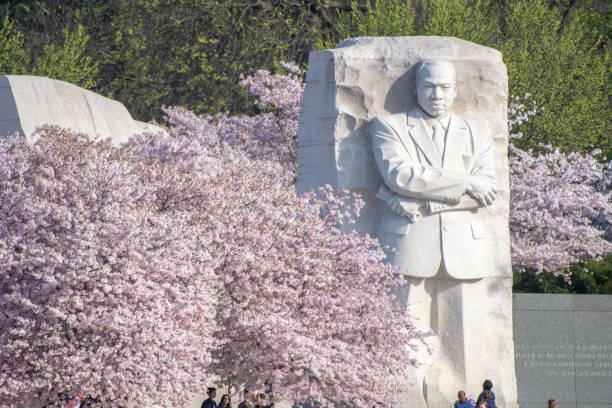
(13, 58)
(66, 60)
(594, 277)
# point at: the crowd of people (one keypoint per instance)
(75, 400)
(486, 399)
(250, 400)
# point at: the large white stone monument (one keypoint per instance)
(418, 126)
(28, 102)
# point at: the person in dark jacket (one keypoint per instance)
(210, 402)
(259, 400)
(486, 386)
(225, 401)
(489, 399)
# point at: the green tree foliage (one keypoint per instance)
(193, 53)
(594, 277)
(68, 60)
(562, 69)
(13, 58)
(388, 18)
(474, 21)
(598, 15)
(65, 59)
(152, 53)
(550, 52)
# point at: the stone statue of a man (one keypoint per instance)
(444, 202)
(438, 170)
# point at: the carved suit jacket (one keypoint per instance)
(411, 166)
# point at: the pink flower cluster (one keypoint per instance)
(560, 204)
(103, 290)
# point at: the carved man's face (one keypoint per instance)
(435, 89)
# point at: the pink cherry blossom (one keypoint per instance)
(560, 204)
(103, 290)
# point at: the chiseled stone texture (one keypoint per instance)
(366, 77)
(563, 350)
(27, 102)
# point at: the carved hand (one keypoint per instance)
(481, 189)
(413, 209)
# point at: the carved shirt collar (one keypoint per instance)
(429, 121)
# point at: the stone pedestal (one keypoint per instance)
(366, 77)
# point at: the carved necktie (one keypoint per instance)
(438, 137)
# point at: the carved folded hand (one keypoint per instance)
(482, 189)
(408, 207)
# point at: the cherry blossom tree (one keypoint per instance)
(305, 311)
(560, 204)
(271, 135)
(102, 291)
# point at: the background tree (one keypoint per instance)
(171, 52)
(65, 59)
(558, 62)
(549, 50)
(152, 53)
(306, 311)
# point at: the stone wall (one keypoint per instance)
(563, 350)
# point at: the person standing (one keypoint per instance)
(259, 400)
(487, 385)
(552, 403)
(210, 402)
(225, 402)
(246, 401)
(463, 401)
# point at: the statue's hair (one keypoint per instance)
(434, 61)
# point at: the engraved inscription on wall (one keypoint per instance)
(563, 350)
(565, 360)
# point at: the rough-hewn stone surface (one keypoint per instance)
(366, 77)
(27, 102)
